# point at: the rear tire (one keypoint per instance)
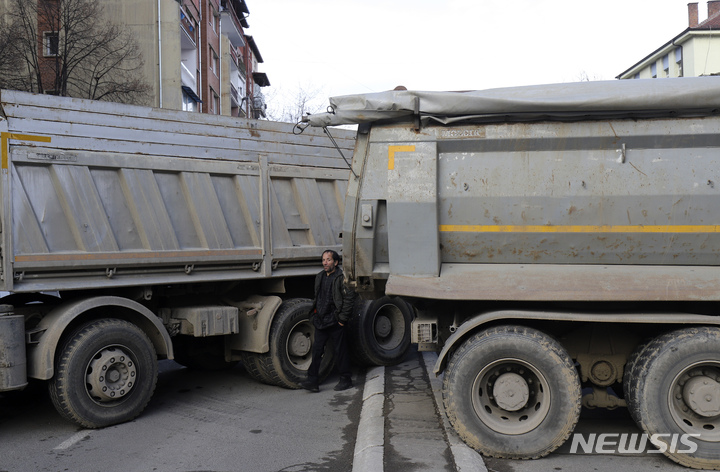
(105, 374)
(291, 338)
(677, 392)
(630, 374)
(512, 392)
(253, 363)
(380, 331)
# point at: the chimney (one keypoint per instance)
(693, 15)
(713, 8)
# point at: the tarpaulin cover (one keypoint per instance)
(599, 98)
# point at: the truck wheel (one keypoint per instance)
(512, 392)
(380, 331)
(201, 353)
(291, 338)
(677, 392)
(253, 363)
(105, 374)
(630, 374)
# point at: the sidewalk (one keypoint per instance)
(402, 424)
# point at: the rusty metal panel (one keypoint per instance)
(98, 194)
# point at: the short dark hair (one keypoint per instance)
(335, 255)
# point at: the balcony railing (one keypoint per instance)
(234, 95)
(188, 26)
(238, 62)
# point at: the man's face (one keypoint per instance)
(329, 264)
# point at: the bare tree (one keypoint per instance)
(10, 63)
(583, 76)
(291, 105)
(67, 47)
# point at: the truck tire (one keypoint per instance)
(253, 363)
(677, 392)
(380, 331)
(630, 374)
(202, 353)
(105, 374)
(512, 392)
(290, 354)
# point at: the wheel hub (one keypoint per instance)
(702, 395)
(110, 374)
(299, 344)
(511, 396)
(383, 326)
(511, 391)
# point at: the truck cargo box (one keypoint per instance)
(103, 194)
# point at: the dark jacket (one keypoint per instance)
(343, 298)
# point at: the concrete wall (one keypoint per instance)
(141, 16)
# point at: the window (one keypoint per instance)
(213, 18)
(666, 65)
(653, 70)
(214, 102)
(51, 43)
(190, 99)
(215, 62)
(679, 61)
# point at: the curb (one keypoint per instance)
(370, 442)
(368, 455)
(466, 459)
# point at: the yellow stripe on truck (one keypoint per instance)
(580, 228)
(391, 154)
(6, 137)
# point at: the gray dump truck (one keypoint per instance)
(561, 246)
(131, 234)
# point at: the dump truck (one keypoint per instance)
(561, 246)
(132, 234)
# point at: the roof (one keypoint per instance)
(253, 46)
(713, 22)
(261, 79)
(577, 100)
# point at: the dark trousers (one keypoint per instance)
(336, 335)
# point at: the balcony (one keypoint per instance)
(188, 27)
(232, 21)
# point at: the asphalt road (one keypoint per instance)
(210, 421)
(225, 421)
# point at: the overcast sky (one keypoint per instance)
(359, 46)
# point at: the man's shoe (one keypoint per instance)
(343, 385)
(311, 386)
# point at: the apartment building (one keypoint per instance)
(196, 54)
(693, 53)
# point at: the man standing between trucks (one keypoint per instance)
(330, 313)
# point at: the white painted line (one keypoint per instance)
(72, 440)
(466, 458)
(368, 455)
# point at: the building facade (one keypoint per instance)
(196, 55)
(693, 53)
